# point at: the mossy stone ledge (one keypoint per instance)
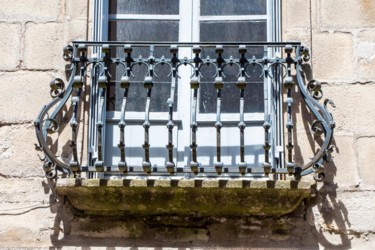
(184, 197)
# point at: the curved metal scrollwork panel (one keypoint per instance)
(324, 122)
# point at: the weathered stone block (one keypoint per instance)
(26, 93)
(10, 46)
(298, 35)
(18, 157)
(352, 113)
(147, 197)
(43, 46)
(332, 56)
(366, 55)
(334, 14)
(77, 9)
(19, 193)
(296, 14)
(342, 170)
(340, 212)
(35, 10)
(77, 30)
(366, 159)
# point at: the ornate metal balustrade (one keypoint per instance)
(94, 65)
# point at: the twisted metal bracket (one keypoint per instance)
(324, 124)
(46, 123)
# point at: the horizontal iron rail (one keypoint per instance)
(186, 44)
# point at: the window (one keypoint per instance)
(185, 21)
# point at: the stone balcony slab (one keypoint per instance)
(185, 197)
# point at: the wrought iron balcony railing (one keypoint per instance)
(101, 68)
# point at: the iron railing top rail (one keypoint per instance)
(209, 44)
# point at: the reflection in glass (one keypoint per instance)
(238, 31)
(159, 7)
(233, 7)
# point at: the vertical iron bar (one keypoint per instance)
(170, 125)
(241, 84)
(122, 164)
(219, 85)
(266, 125)
(102, 86)
(125, 84)
(194, 85)
(148, 84)
(146, 125)
(289, 83)
(218, 126)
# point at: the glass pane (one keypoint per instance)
(166, 31)
(233, 7)
(143, 31)
(158, 7)
(238, 31)
(226, 32)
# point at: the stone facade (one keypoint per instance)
(341, 36)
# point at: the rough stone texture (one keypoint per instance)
(353, 14)
(343, 218)
(10, 46)
(352, 113)
(159, 197)
(19, 10)
(75, 31)
(301, 35)
(345, 211)
(297, 14)
(18, 157)
(366, 55)
(29, 92)
(333, 56)
(43, 46)
(366, 159)
(77, 9)
(25, 203)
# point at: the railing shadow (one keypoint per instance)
(330, 212)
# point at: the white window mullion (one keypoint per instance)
(183, 105)
(195, 20)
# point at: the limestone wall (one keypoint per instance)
(341, 36)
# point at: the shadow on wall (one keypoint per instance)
(328, 215)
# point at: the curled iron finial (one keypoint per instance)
(68, 53)
(53, 126)
(305, 53)
(315, 88)
(57, 88)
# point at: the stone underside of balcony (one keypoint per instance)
(184, 197)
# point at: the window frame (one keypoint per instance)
(273, 18)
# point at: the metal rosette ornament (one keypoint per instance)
(323, 125)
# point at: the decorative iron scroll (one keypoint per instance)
(280, 66)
